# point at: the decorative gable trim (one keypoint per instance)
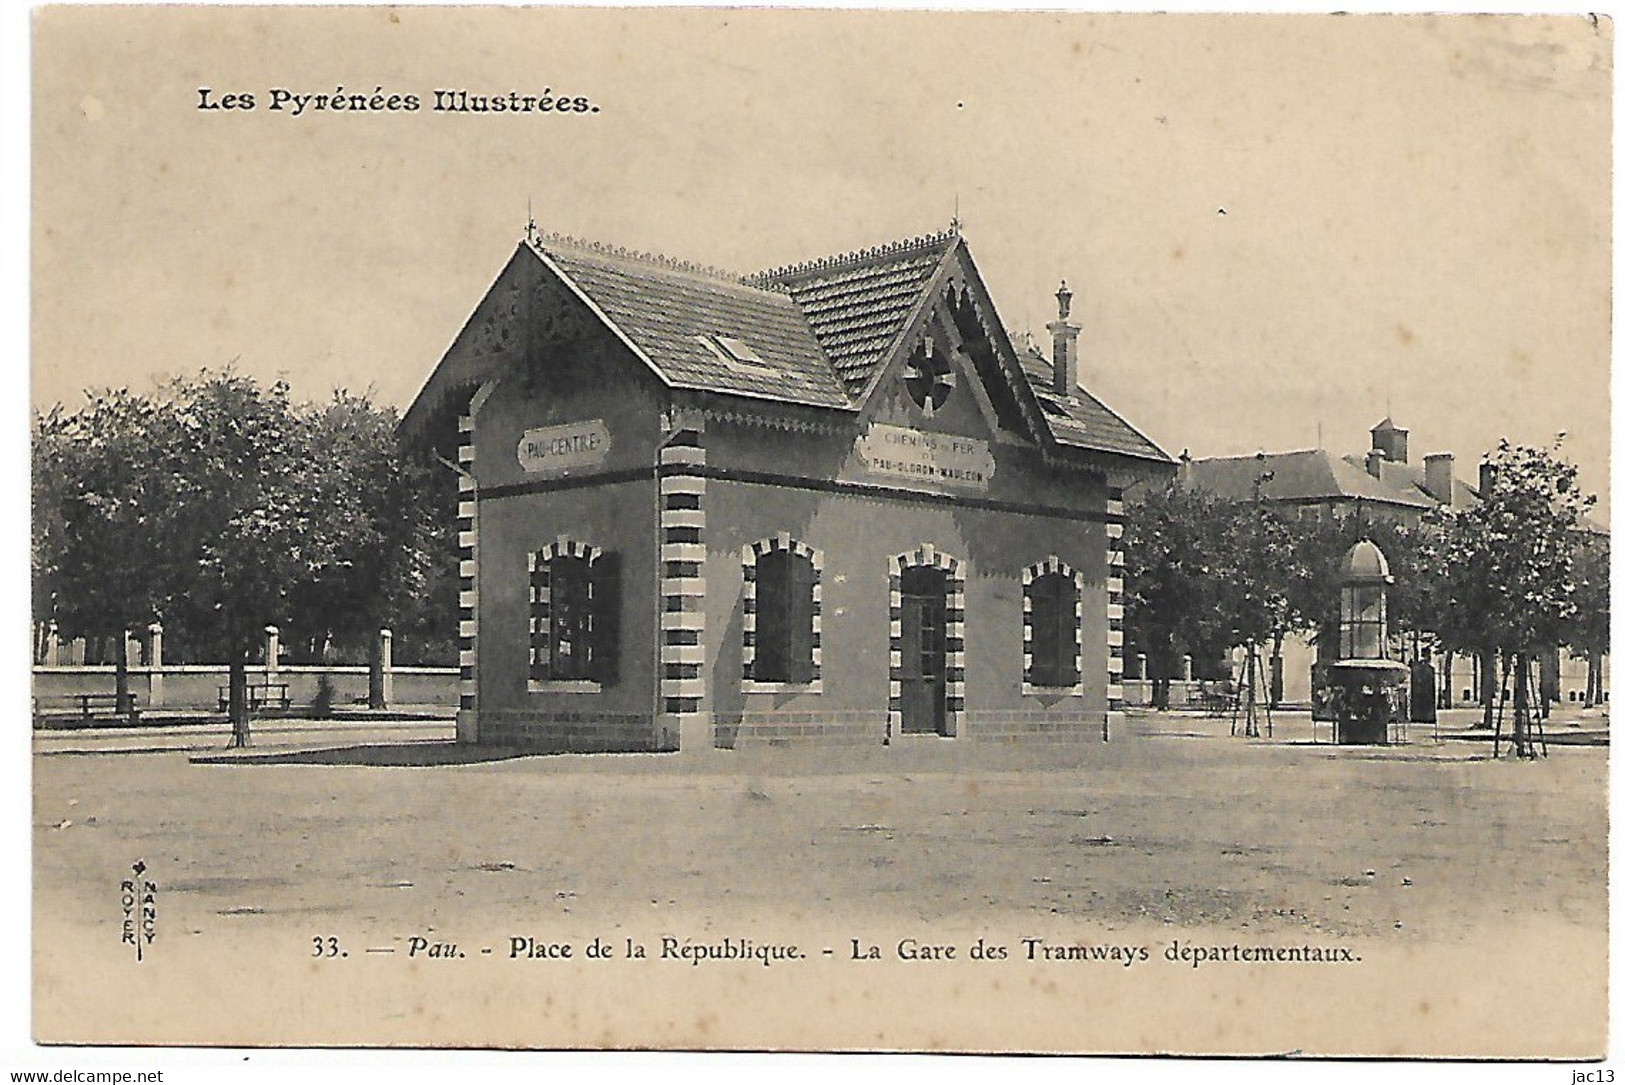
(778, 278)
(897, 353)
(603, 318)
(974, 290)
(650, 259)
(957, 272)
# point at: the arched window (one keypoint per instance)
(574, 614)
(781, 641)
(1052, 631)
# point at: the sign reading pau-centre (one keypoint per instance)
(555, 449)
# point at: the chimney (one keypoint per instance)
(1438, 477)
(1065, 352)
(1373, 463)
(1486, 479)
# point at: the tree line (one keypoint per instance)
(1516, 575)
(217, 505)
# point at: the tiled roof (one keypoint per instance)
(1403, 475)
(1081, 420)
(856, 304)
(1307, 475)
(813, 334)
(669, 314)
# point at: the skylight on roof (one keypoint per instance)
(1051, 407)
(737, 354)
(742, 351)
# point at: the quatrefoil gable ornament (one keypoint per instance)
(928, 378)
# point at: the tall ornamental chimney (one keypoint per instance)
(1065, 341)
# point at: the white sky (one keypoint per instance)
(1417, 209)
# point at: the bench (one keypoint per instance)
(260, 696)
(81, 708)
(1217, 698)
(89, 701)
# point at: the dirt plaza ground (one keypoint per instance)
(1172, 831)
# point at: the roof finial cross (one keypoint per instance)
(954, 224)
(530, 223)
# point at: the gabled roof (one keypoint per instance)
(815, 334)
(1306, 475)
(1408, 476)
(856, 303)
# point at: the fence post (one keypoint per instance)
(53, 646)
(386, 657)
(273, 646)
(155, 664)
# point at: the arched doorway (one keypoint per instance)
(923, 668)
(927, 643)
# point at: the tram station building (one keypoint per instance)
(834, 502)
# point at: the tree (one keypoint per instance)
(1587, 630)
(1260, 563)
(1173, 553)
(381, 514)
(105, 503)
(220, 505)
(427, 630)
(49, 484)
(1509, 565)
(249, 527)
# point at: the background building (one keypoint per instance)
(1380, 484)
(1313, 483)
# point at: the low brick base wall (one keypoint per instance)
(571, 732)
(1025, 725)
(868, 728)
(755, 729)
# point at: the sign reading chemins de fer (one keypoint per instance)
(554, 449)
(918, 456)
